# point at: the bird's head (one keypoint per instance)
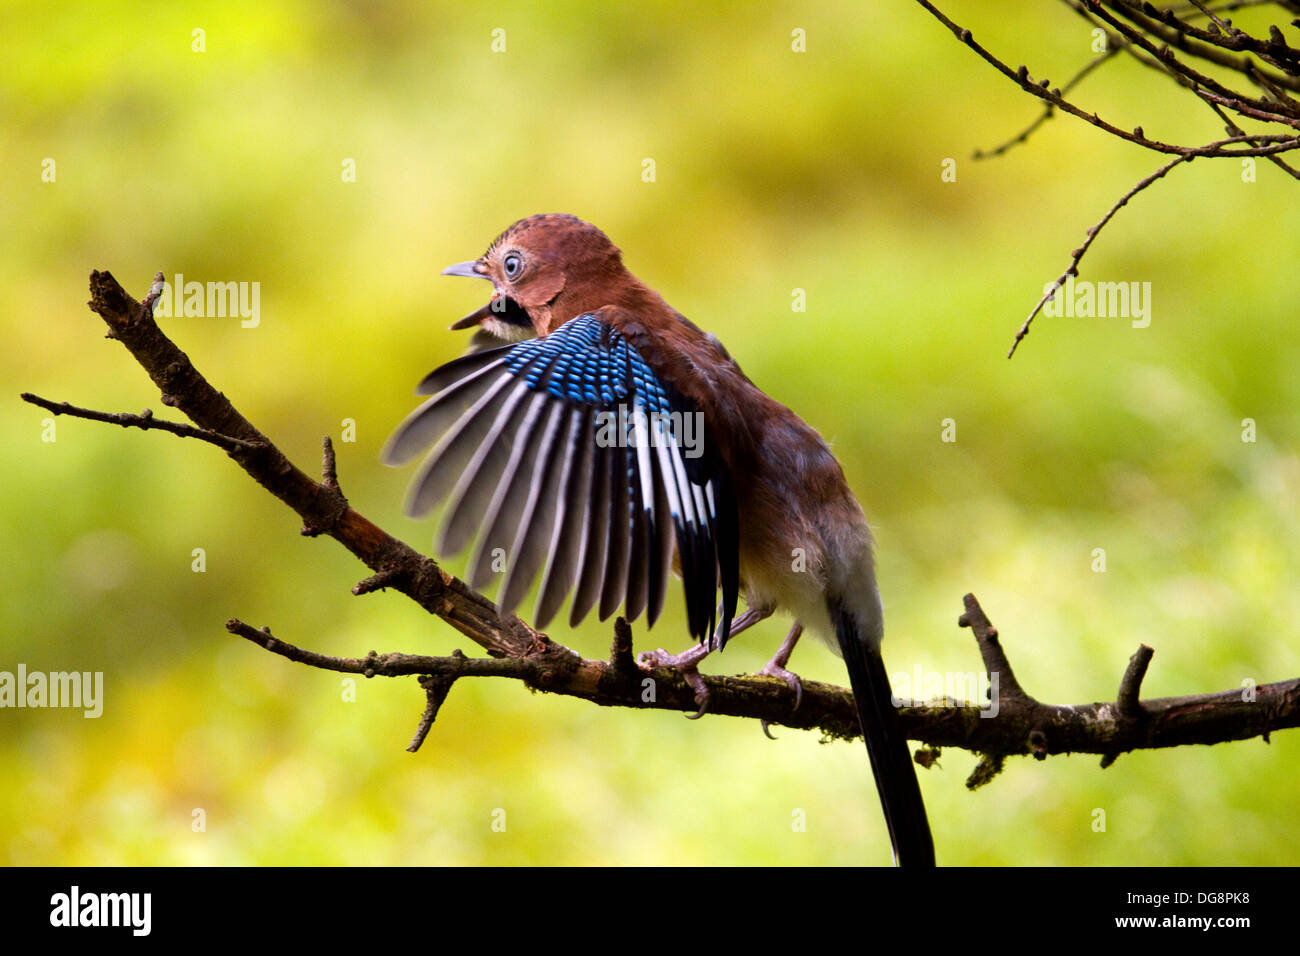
(544, 270)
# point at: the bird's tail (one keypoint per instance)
(891, 761)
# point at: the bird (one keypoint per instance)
(595, 435)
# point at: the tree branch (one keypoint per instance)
(1150, 34)
(1043, 91)
(1013, 723)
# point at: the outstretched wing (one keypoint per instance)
(568, 455)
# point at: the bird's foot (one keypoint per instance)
(686, 664)
(776, 666)
(774, 669)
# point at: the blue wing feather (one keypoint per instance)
(588, 363)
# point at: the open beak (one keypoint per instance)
(470, 270)
(500, 318)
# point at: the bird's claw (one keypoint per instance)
(773, 669)
(693, 678)
(685, 665)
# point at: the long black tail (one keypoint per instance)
(891, 761)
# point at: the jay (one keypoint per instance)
(610, 441)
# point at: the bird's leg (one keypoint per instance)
(748, 619)
(776, 666)
(687, 663)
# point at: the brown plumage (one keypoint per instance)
(763, 509)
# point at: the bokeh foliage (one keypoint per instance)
(775, 170)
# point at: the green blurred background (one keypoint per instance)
(775, 170)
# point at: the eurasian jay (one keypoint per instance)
(610, 441)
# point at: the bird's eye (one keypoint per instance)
(513, 264)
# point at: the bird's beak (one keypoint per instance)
(470, 270)
(467, 269)
(501, 316)
(474, 318)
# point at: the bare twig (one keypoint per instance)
(436, 690)
(1232, 129)
(1215, 45)
(144, 420)
(995, 659)
(1131, 684)
(1077, 255)
(1048, 110)
(1041, 89)
(377, 582)
(329, 475)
